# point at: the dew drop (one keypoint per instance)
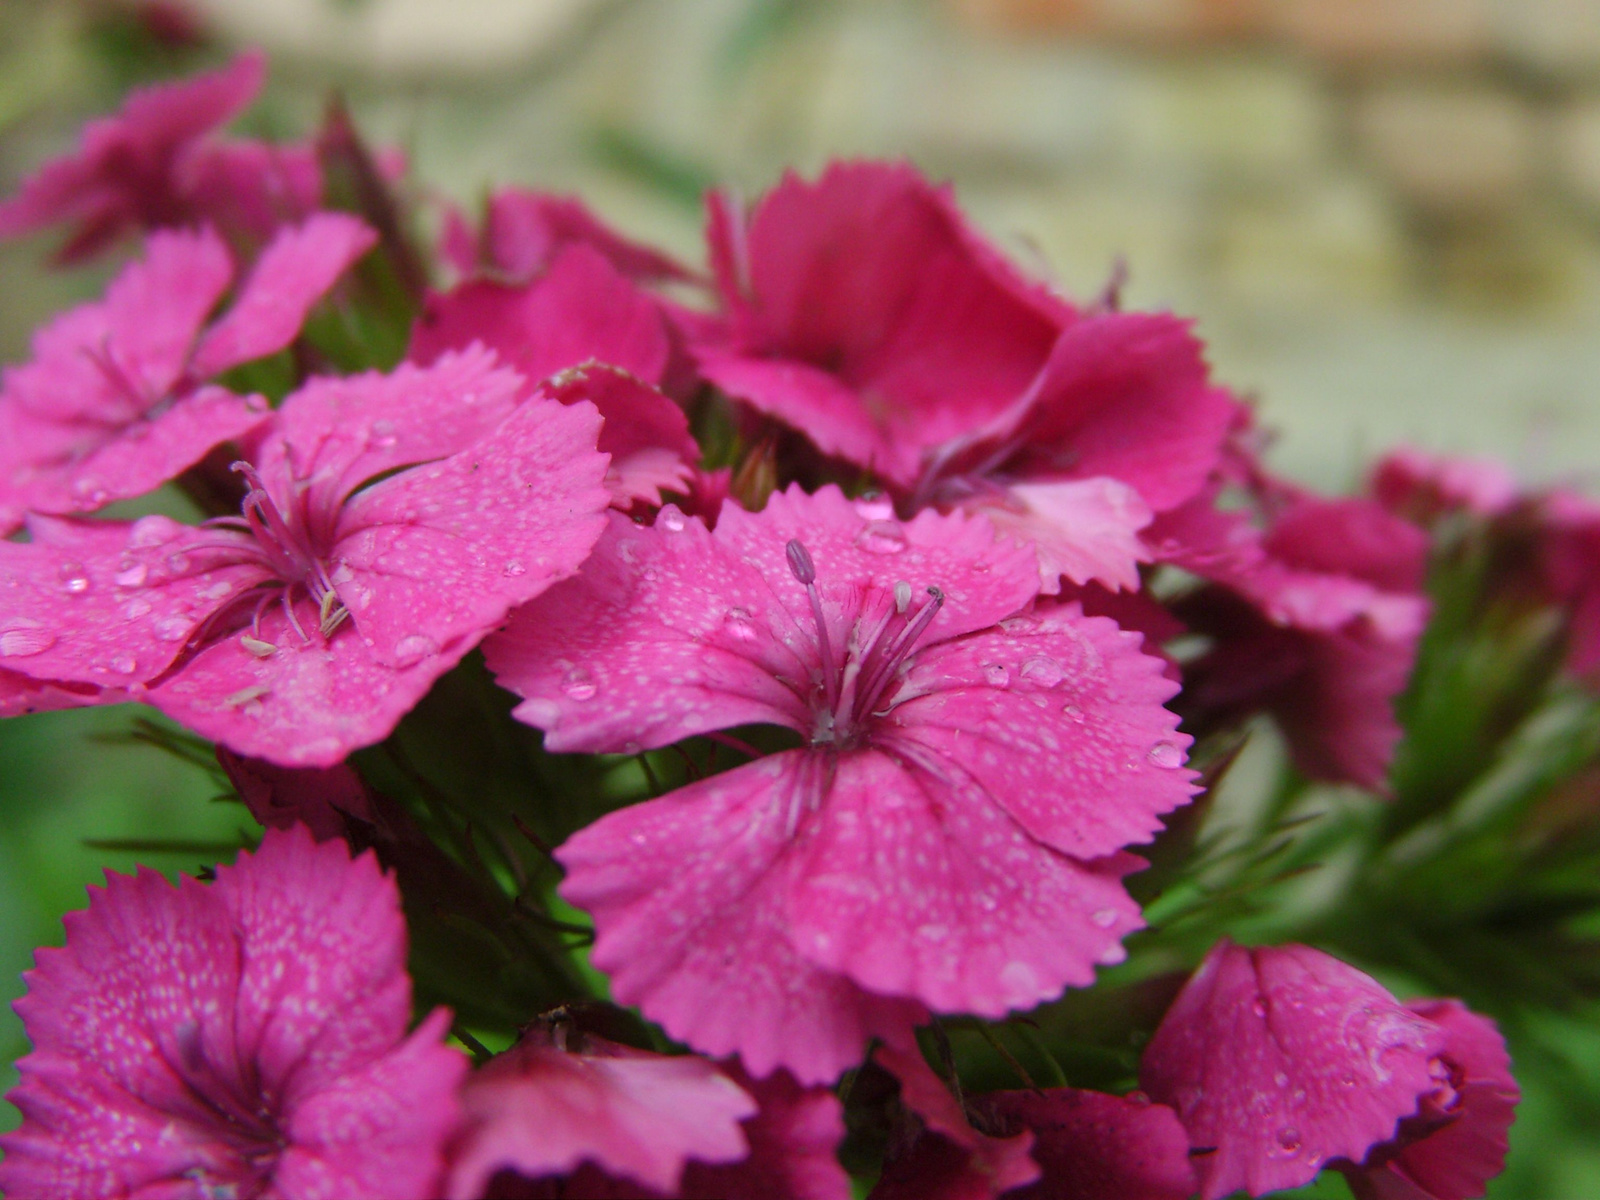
(995, 675)
(135, 608)
(124, 664)
(875, 507)
(881, 537)
(740, 624)
(171, 629)
(1259, 1007)
(89, 489)
(1279, 1079)
(514, 569)
(1105, 918)
(21, 640)
(177, 563)
(151, 531)
(1042, 670)
(671, 520)
(413, 648)
(74, 578)
(1072, 713)
(1018, 624)
(579, 684)
(381, 435)
(1165, 755)
(132, 575)
(1289, 1139)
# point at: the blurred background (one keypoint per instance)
(1383, 214)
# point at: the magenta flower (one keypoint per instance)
(323, 799)
(523, 232)
(1421, 486)
(246, 1038)
(1569, 554)
(250, 189)
(540, 1110)
(391, 522)
(949, 832)
(863, 311)
(579, 313)
(1279, 1060)
(126, 172)
(1456, 1143)
(115, 400)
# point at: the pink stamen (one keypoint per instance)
(805, 571)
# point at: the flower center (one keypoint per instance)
(855, 679)
(289, 553)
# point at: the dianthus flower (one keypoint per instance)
(1569, 554)
(115, 400)
(580, 315)
(1418, 485)
(865, 312)
(126, 173)
(391, 522)
(1279, 1060)
(948, 833)
(246, 1038)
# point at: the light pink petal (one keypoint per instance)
(950, 1160)
(381, 1128)
(1057, 718)
(121, 173)
(323, 800)
(646, 434)
(1281, 1059)
(794, 1142)
(1083, 529)
(582, 309)
(292, 274)
(250, 189)
(540, 1111)
(1091, 1146)
(911, 881)
(431, 560)
(108, 603)
(339, 433)
(324, 988)
(688, 897)
(1414, 483)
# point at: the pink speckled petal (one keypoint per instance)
(1058, 719)
(109, 603)
(540, 1111)
(911, 881)
(646, 434)
(1083, 529)
(1283, 1058)
(794, 1142)
(688, 896)
(432, 559)
(293, 272)
(581, 310)
(1091, 1146)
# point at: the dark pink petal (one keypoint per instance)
(122, 174)
(1091, 1146)
(1421, 486)
(1279, 1059)
(1350, 537)
(294, 271)
(646, 434)
(323, 800)
(950, 1160)
(1457, 1141)
(20, 694)
(430, 560)
(540, 1111)
(249, 189)
(1083, 529)
(523, 231)
(581, 310)
(794, 1141)
(1569, 561)
(689, 898)
(1004, 709)
(868, 315)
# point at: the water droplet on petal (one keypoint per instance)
(579, 684)
(172, 629)
(1042, 670)
(1279, 1079)
(1072, 713)
(1105, 918)
(881, 537)
(1289, 1139)
(740, 624)
(177, 563)
(1166, 755)
(1259, 1007)
(132, 575)
(875, 507)
(92, 490)
(381, 435)
(151, 531)
(20, 640)
(413, 648)
(135, 608)
(74, 578)
(671, 520)
(124, 664)
(995, 675)
(1018, 624)
(514, 569)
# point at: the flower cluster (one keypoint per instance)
(856, 607)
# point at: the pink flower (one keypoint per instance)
(1569, 561)
(580, 312)
(324, 799)
(863, 311)
(1279, 1060)
(1419, 485)
(115, 401)
(539, 1110)
(391, 522)
(246, 1038)
(949, 832)
(1456, 1143)
(523, 232)
(250, 189)
(125, 173)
